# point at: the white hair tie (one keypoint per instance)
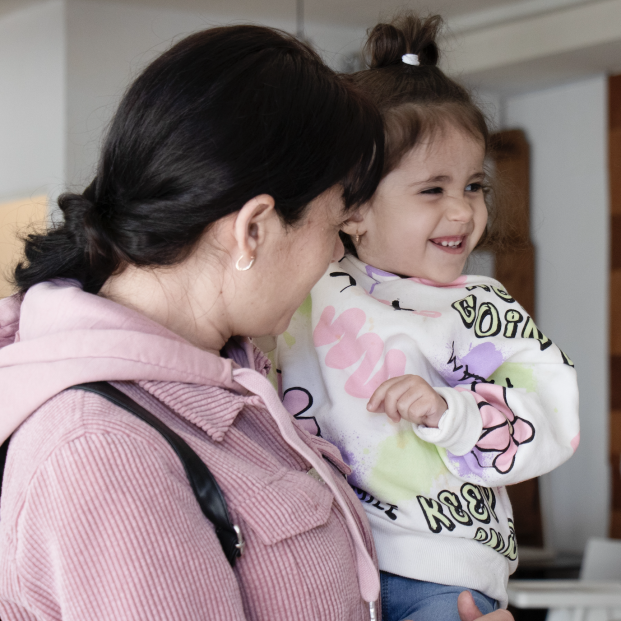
(410, 59)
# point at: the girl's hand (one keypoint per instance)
(409, 397)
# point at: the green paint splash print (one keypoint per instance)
(306, 307)
(406, 466)
(518, 375)
(289, 339)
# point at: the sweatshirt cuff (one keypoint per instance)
(461, 425)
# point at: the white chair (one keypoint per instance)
(596, 596)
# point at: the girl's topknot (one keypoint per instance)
(406, 34)
(415, 100)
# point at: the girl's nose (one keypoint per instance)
(339, 250)
(459, 210)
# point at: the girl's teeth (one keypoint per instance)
(451, 244)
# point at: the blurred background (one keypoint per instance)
(543, 70)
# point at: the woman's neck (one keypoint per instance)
(193, 310)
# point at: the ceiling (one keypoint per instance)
(504, 46)
(354, 13)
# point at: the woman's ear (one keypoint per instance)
(250, 226)
(356, 223)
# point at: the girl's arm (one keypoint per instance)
(512, 411)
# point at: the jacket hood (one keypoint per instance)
(59, 336)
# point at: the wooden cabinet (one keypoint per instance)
(514, 264)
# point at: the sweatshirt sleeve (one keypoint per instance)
(513, 401)
(92, 544)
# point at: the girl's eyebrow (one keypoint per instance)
(436, 179)
(477, 176)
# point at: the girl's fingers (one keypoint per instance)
(393, 396)
(376, 400)
(422, 405)
(407, 403)
(409, 397)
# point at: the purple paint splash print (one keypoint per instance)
(475, 366)
(483, 359)
(374, 270)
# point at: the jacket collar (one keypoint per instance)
(59, 336)
(212, 408)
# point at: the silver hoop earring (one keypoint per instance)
(244, 269)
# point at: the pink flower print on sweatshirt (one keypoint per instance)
(503, 431)
(350, 348)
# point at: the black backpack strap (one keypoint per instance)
(205, 487)
(3, 451)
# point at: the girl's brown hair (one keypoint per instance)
(416, 101)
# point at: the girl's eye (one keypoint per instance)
(474, 187)
(432, 191)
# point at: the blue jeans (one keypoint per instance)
(406, 598)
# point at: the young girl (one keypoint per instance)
(438, 388)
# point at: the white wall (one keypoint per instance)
(336, 43)
(110, 42)
(32, 100)
(107, 45)
(566, 127)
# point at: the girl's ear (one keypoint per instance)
(356, 223)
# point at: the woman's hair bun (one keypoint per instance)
(83, 224)
(406, 34)
(78, 211)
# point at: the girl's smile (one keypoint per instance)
(452, 245)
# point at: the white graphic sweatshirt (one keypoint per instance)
(435, 497)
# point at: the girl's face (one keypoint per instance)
(429, 213)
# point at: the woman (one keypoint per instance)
(219, 194)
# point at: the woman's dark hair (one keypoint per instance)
(225, 115)
(416, 101)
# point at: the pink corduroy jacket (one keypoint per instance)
(98, 520)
